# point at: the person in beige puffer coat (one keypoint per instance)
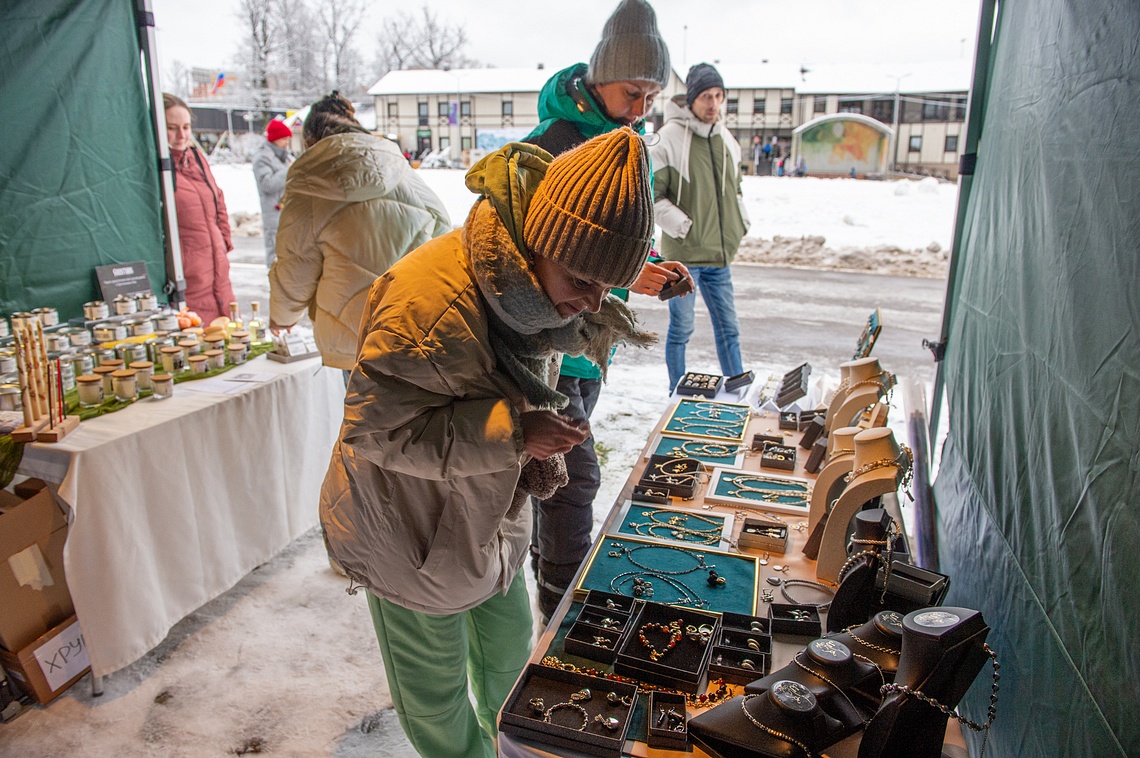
(352, 207)
(450, 422)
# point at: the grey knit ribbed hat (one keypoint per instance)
(630, 48)
(593, 211)
(701, 77)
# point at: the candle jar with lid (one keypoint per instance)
(125, 384)
(163, 385)
(238, 352)
(199, 364)
(144, 371)
(90, 387)
(104, 374)
(124, 306)
(173, 359)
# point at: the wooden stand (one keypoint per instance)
(61, 429)
(853, 404)
(838, 466)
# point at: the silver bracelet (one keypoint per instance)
(806, 583)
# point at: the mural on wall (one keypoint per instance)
(838, 145)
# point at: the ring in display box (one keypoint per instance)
(766, 492)
(707, 452)
(707, 419)
(570, 710)
(694, 577)
(675, 525)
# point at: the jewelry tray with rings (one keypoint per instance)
(668, 646)
(761, 491)
(599, 627)
(707, 452)
(677, 575)
(744, 649)
(707, 419)
(606, 720)
(706, 528)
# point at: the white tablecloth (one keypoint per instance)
(174, 501)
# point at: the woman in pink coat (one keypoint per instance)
(203, 224)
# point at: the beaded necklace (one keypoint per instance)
(677, 524)
(703, 700)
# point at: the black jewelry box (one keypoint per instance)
(808, 416)
(779, 457)
(655, 495)
(746, 640)
(676, 475)
(910, 587)
(789, 420)
(759, 440)
(556, 686)
(680, 666)
(758, 624)
(812, 432)
(607, 618)
(595, 643)
(795, 620)
(762, 534)
(668, 727)
(693, 384)
(608, 601)
(737, 666)
(739, 381)
(815, 458)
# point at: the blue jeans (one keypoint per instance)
(715, 285)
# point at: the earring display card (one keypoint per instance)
(705, 451)
(669, 573)
(707, 419)
(675, 525)
(569, 710)
(700, 385)
(765, 492)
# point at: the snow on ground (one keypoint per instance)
(901, 227)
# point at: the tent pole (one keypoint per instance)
(175, 287)
(975, 111)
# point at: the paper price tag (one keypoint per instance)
(63, 657)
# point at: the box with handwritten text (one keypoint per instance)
(51, 664)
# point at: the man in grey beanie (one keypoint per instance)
(628, 69)
(700, 208)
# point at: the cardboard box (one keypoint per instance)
(33, 587)
(50, 664)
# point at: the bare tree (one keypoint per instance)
(407, 41)
(259, 18)
(177, 79)
(339, 21)
(299, 71)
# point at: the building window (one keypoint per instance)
(465, 143)
(732, 106)
(393, 110)
(444, 108)
(508, 108)
(820, 105)
(786, 105)
(915, 144)
(951, 143)
(958, 109)
(465, 108)
(422, 109)
(444, 142)
(935, 111)
(758, 105)
(883, 110)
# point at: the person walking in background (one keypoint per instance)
(626, 72)
(449, 422)
(352, 207)
(203, 223)
(700, 209)
(270, 165)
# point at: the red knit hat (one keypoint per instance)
(275, 130)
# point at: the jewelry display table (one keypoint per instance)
(790, 565)
(172, 502)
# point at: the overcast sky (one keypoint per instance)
(523, 33)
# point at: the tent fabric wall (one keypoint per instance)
(1038, 516)
(78, 171)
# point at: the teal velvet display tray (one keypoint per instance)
(708, 452)
(670, 525)
(706, 419)
(778, 494)
(679, 574)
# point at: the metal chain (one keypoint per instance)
(769, 730)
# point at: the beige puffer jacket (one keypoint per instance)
(414, 502)
(352, 207)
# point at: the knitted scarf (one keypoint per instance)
(527, 334)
